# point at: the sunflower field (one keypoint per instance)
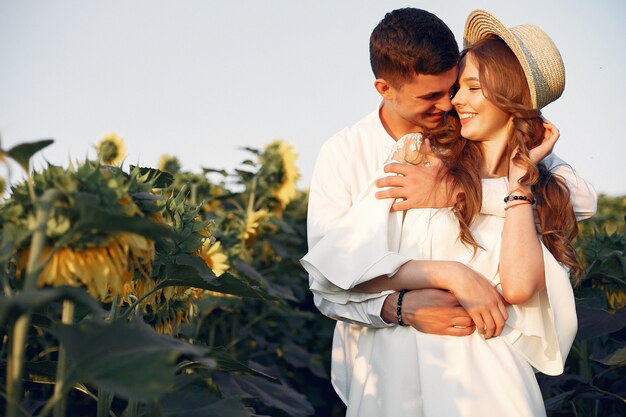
(140, 291)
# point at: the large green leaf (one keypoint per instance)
(556, 402)
(41, 372)
(193, 398)
(161, 179)
(594, 323)
(24, 151)
(273, 395)
(276, 290)
(127, 358)
(94, 218)
(188, 276)
(218, 171)
(11, 238)
(33, 299)
(198, 264)
(616, 358)
(226, 363)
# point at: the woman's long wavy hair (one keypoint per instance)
(504, 84)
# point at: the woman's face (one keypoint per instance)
(481, 120)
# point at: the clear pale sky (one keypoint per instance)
(202, 79)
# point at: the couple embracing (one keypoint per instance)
(440, 226)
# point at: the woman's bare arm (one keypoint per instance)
(522, 272)
(480, 299)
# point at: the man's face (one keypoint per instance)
(420, 103)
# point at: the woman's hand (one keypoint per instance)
(537, 154)
(481, 300)
(550, 136)
(483, 303)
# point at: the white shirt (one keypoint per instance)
(346, 165)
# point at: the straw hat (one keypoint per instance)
(539, 57)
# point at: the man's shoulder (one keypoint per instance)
(359, 134)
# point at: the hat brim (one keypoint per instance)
(481, 24)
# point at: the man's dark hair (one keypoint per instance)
(409, 41)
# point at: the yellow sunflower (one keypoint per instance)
(169, 163)
(616, 297)
(287, 190)
(111, 149)
(252, 224)
(214, 257)
(105, 270)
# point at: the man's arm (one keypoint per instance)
(430, 311)
(407, 187)
(582, 194)
(330, 199)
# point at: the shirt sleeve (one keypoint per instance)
(330, 200)
(364, 313)
(582, 194)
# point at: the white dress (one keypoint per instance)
(399, 371)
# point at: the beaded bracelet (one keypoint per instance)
(518, 197)
(399, 307)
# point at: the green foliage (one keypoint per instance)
(593, 382)
(216, 317)
(24, 151)
(610, 217)
(129, 359)
(245, 341)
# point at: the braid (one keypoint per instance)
(557, 220)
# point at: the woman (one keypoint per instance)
(400, 371)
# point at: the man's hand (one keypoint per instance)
(416, 185)
(430, 311)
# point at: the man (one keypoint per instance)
(413, 56)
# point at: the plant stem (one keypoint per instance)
(133, 408)
(38, 241)
(60, 409)
(131, 307)
(247, 326)
(104, 403)
(114, 308)
(585, 366)
(6, 288)
(104, 396)
(15, 368)
(251, 197)
(194, 194)
(20, 408)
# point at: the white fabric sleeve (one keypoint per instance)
(582, 194)
(330, 195)
(330, 200)
(363, 246)
(543, 329)
(357, 249)
(364, 313)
